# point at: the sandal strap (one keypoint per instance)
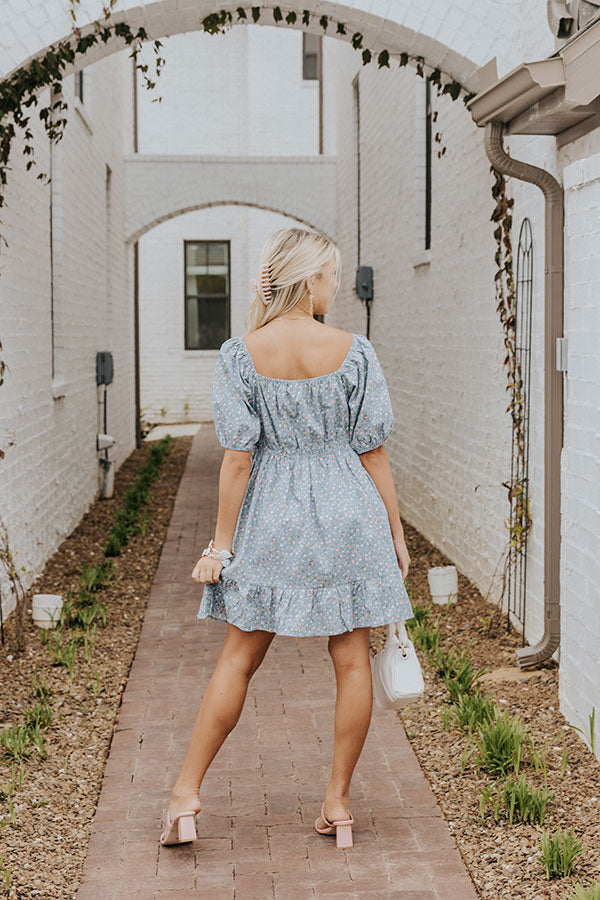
(349, 821)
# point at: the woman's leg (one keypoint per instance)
(353, 708)
(240, 656)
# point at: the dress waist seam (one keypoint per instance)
(304, 451)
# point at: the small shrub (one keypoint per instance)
(524, 803)
(456, 669)
(15, 742)
(559, 852)
(469, 712)
(40, 714)
(500, 744)
(425, 637)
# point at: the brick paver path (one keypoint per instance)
(260, 797)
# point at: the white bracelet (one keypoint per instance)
(223, 555)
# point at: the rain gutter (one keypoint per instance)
(553, 383)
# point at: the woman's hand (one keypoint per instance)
(402, 554)
(207, 570)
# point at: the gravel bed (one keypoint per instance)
(503, 859)
(55, 804)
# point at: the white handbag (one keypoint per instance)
(396, 671)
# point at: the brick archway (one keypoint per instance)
(455, 40)
(302, 188)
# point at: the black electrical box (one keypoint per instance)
(104, 367)
(364, 282)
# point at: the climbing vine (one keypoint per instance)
(520, 521)
(19, 91)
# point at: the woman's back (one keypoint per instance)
(285, 351)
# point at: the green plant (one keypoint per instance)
(491, 797)
(500, 744)
(113, 546)
(559, 852)
(96, 687)
(64, 656)
(144, 521)
(524, 803)
(456, 669)
(421, 613)
(15, 742)
(516, 800)
(424, 636)
(591, 720)
(39, 683)
(538, 758)
(96, 576)
(469, 711)
(591, 892)
(5, 872)
(40, 714)
(37, 739)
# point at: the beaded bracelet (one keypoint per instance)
(223, 555)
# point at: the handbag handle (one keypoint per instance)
(400, 639)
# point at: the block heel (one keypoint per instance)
(181, 829)
(342, 828)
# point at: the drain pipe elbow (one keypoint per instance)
(553, 385)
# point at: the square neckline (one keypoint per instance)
(299, 380)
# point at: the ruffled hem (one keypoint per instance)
(307, 612)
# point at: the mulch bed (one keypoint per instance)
(55, 805)
(503, 859)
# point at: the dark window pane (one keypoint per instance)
(207, 294)
(207, 322)
(217, 254)
(310, 51)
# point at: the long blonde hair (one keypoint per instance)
(293, 255)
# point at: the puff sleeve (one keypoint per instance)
(371, 415)
(237, 422)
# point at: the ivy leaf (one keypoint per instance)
(384, 59)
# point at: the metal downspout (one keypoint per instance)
(553, 383)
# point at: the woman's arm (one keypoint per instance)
(377, 464)
(233, 481)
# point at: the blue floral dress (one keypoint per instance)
(313, 549)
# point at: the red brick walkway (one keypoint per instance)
(260, 797)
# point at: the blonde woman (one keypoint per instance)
(308, 539)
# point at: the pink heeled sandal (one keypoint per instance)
(342, 828)
(181, 829)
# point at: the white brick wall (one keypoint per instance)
(50, 474)
(580, 560)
